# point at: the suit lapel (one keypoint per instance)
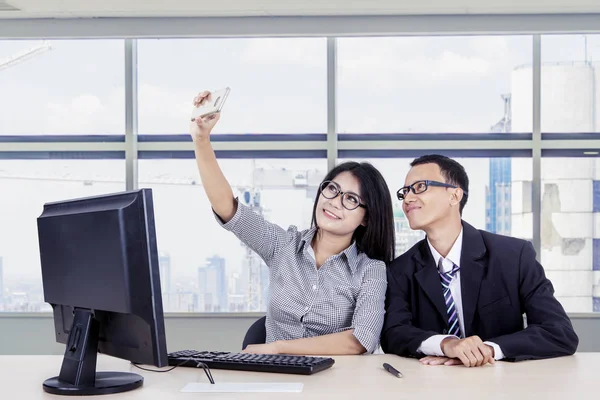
(429, 279)
(472, 269)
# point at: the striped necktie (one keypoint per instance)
(446, 278)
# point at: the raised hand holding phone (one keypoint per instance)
(215, 184)
(206, 113)
(211, 104)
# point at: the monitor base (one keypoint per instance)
(106, 383)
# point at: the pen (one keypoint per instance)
(392, 370)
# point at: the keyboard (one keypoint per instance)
(284, 364)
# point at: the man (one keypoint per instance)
(458, 296)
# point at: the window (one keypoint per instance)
(485, 176)
(204, 267)
(420, 85)
(596, 268)
(434, 84)
(570, 83)
(568, 231)
(26, 186)
(596, 201)
(62, 87)
(569, 217)
(277, 85)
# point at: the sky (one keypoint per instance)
(384, 85)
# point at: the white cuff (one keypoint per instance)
(498, 354)
(432, 346)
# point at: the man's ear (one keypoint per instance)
(456, 197)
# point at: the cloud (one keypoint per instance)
(308, 52)
(384, 62)
(163, 110)
(84, 105)
(384, 69)
(167, 111)
(496, 48)
(87, 114)
(452, 65)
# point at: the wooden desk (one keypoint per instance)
(351, 377)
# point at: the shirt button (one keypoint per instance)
(314, 287)
(305, 308)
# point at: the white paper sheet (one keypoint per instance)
(243, 387)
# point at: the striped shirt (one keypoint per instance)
(346, 292)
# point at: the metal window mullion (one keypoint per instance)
(297, 26)
(131, 114)
(537, 146)
(332, 137)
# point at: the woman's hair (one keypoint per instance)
(377, 238)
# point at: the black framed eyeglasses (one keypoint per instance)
(421, 186)
(350, 200)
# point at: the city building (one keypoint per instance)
(1, 285)
(498, 193)
(405, 237)
(164, 262)
(212, 285)
(570, 215)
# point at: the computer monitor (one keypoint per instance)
(101, 276)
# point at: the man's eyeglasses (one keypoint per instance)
(350, 200)
(421, 186)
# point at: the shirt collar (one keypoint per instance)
(306, 237)
(453, 257)
(350, 254)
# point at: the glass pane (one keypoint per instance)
(433, 84)
(62, 87)
(26, 186)
(277, 85)
(570, 86)
(502, 179)
(571, 230)
(205, 268)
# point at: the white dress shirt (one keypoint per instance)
(432, 345)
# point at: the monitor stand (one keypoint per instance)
(78, 374)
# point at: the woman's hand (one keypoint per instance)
(268, 348)
(201, 127)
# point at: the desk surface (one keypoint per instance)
(351, 377)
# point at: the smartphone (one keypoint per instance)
(213, 106)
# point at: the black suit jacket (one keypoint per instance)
(500, 281)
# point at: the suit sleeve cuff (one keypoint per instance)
(432, 346)
(498, 354)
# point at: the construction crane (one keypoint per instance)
(505, 124)
(250, 195)
(308, 180)
(255, 272)
(24, 56)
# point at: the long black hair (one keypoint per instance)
(377, 238)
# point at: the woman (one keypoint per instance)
(327, 283)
